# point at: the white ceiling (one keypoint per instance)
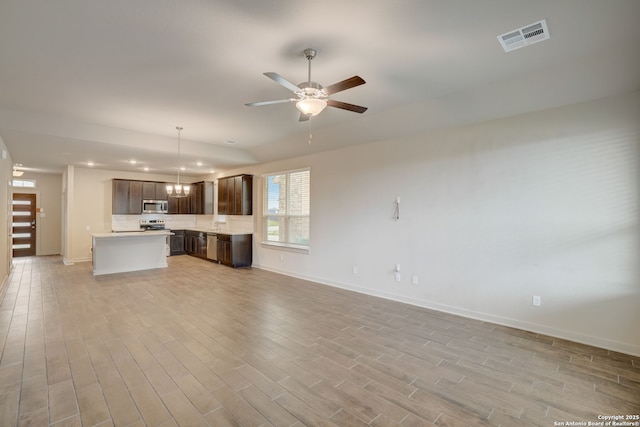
(108, 81)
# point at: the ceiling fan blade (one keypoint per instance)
(344, 85)
(303, 117)
(259, 103)
(345, 106)
(282, 81)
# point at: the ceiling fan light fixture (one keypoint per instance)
(311, 106)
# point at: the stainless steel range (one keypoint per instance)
(151, 224)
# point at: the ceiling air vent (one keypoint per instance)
(525, 36)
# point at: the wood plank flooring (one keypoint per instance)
(198, 344)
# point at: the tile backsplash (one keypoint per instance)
(228, 223)
(221, 223)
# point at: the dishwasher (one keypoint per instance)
(212, 246)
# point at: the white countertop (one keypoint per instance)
(131, 233)
(212, 231)
(118, 233)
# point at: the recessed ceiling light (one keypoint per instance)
(133, 162)
(182, 168)
(199, 163)
(211, 171)
(90, 164)
(146, 169)
(230, 142)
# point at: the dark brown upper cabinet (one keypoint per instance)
(129, 194)
(154, 190)
(126, 197)
(235, 194)
(120, 197)
(199, 201)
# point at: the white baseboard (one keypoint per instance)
(620, 347)
(67, 261)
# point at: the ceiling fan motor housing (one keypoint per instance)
(310, 53)
(311, 90)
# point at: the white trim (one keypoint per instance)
(286, 246)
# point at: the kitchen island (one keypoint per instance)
(128, 251)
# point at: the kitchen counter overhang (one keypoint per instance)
(128, 251)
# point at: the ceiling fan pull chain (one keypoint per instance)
(310, 134)
(308, 70)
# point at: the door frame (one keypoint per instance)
(9, 228)
(33, 228)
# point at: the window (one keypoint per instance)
(286, 208)
(30, 183)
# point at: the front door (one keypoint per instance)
(24, 224)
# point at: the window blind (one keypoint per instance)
(287, 208)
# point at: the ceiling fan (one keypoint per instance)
(311, 97)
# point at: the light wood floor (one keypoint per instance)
(202, 344)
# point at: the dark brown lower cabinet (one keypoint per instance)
(176, 242)
(201, 245)
(195, 243)
(235, 250)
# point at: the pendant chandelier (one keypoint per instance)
(177, 190)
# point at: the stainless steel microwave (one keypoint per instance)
(155, 206)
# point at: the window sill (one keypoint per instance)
(287, 247)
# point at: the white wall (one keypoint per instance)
(491, 214)
(6, 169)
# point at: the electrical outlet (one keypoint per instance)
(398, 278)
(354, 270)
(537, 301)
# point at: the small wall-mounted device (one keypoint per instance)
(396, 210)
